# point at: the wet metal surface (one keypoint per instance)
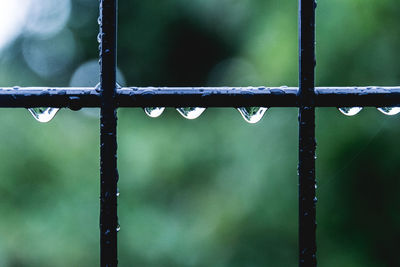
(108, 134)
(307, 143)
(371, 96)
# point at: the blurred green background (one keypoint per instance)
(215, 191)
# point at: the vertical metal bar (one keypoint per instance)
(307, 144)
(108, 140)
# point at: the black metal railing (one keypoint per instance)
(108, 97)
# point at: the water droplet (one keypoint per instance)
(99, 37)
(117, 194)
(252, 114)
(390, 110)
(43, 114)
(98, 87)
(190, 113)
(118, 228)
(99, 20)
(154, 112)
(350, 111)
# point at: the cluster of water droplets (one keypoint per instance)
(100, 35)
(190, 113)
(255, 114)
(351, 111)
(250, 114)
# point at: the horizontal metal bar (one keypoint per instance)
(67, 97)
(76, 98)
(357, 96)
(208, 97)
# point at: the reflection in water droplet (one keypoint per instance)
(43, 114)
(118, 228)
(350, 111)
(154, 112)
(99, 20)
(117, 194)
(252, 114)
(190, 113)
(390, 110)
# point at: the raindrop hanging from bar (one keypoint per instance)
(350, 111)
(390, 110)
(252, 114)
(154, 112)
(43, 114)
(190, 113)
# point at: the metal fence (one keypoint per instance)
(108, 96)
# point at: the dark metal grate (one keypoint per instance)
(108, 97)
